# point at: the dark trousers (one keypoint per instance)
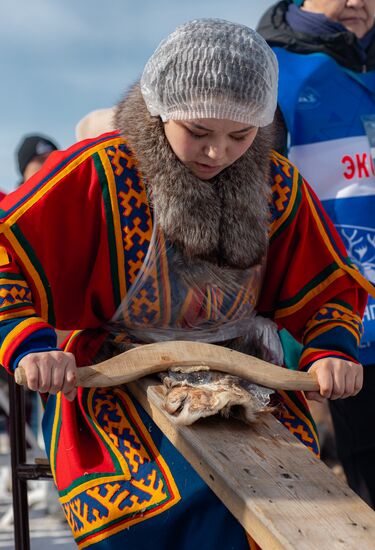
(354, 423)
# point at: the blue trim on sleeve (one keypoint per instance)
(337, 340)
(41, 340)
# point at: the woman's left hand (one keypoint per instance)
(337, 378)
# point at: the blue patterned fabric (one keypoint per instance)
(317, 118)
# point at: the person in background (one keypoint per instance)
(32, 153)
(326, 54)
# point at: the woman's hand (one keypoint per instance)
(337, 378)
(51, 371)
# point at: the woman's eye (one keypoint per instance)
(194, 134)
(239, 138)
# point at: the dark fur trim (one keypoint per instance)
(223, 221)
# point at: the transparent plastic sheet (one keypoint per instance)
(172, 299)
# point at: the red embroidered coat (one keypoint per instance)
(72, 241)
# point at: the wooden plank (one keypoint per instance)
(278, 490)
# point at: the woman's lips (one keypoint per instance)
(207, 167)
(351, 20)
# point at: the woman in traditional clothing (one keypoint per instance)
(181, 224)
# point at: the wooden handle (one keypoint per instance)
(152, 358)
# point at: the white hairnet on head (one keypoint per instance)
(211, 68)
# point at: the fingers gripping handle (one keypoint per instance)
(20, 376)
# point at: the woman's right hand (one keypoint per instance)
(51, 372)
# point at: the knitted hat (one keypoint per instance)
(211, 68)
(31, 147)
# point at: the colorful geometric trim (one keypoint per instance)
(142, 485)
(294, 415)
(334, 341)
(17, 335)
(15, 312)
(128, 216)
(134, 222)
(151, 295)
(13, 294)
(333, 315)
(116, 251)
(286, 194)
(32, 266)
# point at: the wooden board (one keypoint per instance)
(277, 489)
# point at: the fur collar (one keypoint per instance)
(223, 221)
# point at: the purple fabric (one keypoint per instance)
(311, 23)
(317, 24)
(367, 39)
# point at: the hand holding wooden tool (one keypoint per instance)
(153, 358)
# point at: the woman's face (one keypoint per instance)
(355, 15)
(206, 146)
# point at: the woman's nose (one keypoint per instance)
(214, 151)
